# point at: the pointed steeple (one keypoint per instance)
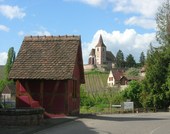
(100, 42)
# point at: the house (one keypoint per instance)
(9, 92)
(100, 58)
(143, 71)
(117, 78)
(48, 72)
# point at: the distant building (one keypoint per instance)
(100, 58)
(143, 71)
(9, 92)
(117, 78)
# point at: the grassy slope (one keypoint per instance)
(95, 81)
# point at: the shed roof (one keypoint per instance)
(48, 57)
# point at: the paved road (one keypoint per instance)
(145, 123)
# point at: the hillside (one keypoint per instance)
(95, 81)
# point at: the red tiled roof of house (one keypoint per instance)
(48, 57)
(118, 74)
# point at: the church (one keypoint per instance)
(100, 58)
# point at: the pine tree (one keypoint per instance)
(130, 61)
(158, 61)
(163, 23)
(142, 59)
(10, 61)
(120, 59)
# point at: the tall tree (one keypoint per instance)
(142, 59)
(120, 59)
(10, 61)
(158, 60)
(130, 61)
(163, 23)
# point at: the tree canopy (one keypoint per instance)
(130, 61)
(10, 61)
(120, 59)
(142, 59)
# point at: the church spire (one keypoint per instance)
(100, 42)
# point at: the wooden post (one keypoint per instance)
(41, 92)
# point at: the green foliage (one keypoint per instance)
(163, 23)
(130, 61)
(132, 72)
(120, 59)
(99, 101)
(133, 92)
(157, 75)
(2, 85)
(142, 59)
(95, 71)
(10, 60)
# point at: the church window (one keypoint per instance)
(110, 78)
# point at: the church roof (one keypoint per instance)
(48, 57)
(100, 42)
(92, 53)
(110, 56)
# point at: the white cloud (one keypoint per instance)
(21, 33)
(143, 11)
(129, 41)
(42, 31)
(91, 2)
(145, 8)
(12, 12)
(142, 22)
(3, 57)
(4, 28)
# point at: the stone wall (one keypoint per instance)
(89, 67)
(21, 117)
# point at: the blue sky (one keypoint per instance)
(128, 25)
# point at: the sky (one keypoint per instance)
(127, 25)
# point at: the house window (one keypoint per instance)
(74, 93)
(97, 49)
(110, 78)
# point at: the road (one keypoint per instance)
(143, 123)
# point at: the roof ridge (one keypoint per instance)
(48, 38)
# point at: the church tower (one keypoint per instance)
(100, 51)
(92, 57)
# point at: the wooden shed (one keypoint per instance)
(48, 72)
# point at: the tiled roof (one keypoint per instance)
(100, 42)
(47, 57)
(92, 53)
(110, 56)
(9, 88)
(118, 74)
